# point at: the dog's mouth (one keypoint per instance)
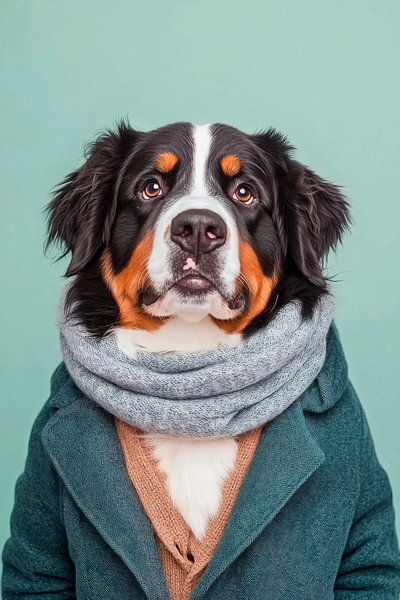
(193, 287)
(194, 284)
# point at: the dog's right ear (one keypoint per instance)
(82, 211)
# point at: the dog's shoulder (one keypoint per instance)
(333, 410)
(63, 390)
(332, 381)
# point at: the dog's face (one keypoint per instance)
(193, 221)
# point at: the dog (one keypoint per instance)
(191, 237)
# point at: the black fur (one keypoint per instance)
(300, 218)
(310, 216)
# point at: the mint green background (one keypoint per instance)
(325, 73)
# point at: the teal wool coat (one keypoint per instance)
(313, 520)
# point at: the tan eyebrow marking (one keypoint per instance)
(230, 165)
(166, 161)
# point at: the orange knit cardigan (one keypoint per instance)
(183, 557)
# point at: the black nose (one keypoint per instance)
(198, 231)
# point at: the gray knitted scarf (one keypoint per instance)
(211, 393)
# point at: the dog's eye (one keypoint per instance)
(244, 194)
(152, 189)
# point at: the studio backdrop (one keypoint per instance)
(324, 73)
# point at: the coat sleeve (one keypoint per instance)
(35, 557)
(370, 565)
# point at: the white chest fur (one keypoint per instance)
(195, 469)
(177, 335)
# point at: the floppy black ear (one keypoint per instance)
(82, 211)
(317, 215)
(311, 214)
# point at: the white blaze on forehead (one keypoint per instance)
(159, 265)
(202, 143)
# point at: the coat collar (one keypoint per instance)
(286, 457)
(83, 444)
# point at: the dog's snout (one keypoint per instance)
(198, 231)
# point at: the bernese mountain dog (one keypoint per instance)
(190, 237)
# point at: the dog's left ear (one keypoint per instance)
(317, 216)
(312, 214)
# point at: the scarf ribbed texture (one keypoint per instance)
(211, 393)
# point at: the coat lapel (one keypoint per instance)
(286, 457)
(82, 443)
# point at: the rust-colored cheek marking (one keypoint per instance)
(166, 161)
(230, 165)
(126, 285)
(260, 288)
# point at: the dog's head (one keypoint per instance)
(192, 221)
